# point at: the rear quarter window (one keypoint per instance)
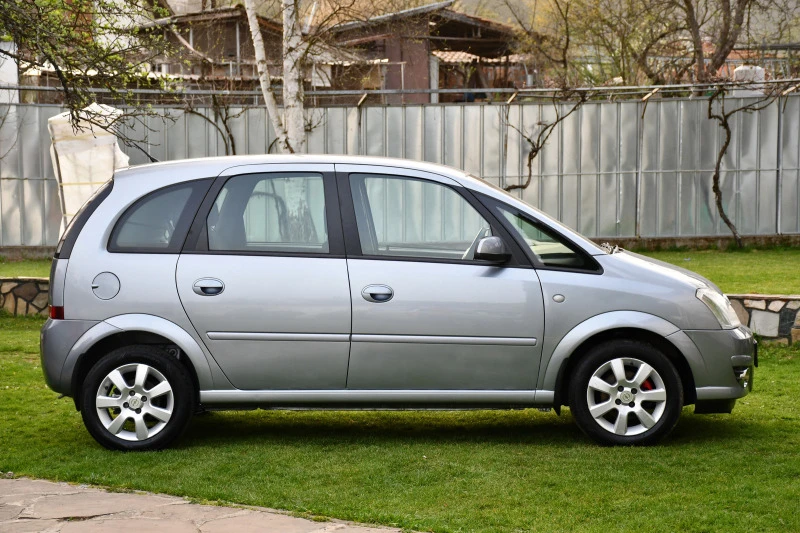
(70, 235)
(159, 221)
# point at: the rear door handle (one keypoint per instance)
(208, 286)
(377, 293)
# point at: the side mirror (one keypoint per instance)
(492, 249)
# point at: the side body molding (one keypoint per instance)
(616, 320)
(149, 324)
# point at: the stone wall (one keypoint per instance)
(24, 296)
(775, 318)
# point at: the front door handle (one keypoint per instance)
(377, 293)
(208, 286)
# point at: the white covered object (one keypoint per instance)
(749, 73)
(84, 158)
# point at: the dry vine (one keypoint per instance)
(537, 141)
(722, 116)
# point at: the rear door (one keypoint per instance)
(426, 314)
(263, 278)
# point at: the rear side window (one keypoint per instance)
(158, 222)
(276, 212)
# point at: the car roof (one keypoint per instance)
(173, 171)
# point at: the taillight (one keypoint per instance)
(57, 312)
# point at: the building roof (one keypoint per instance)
(216, 14)
(447, 30)
(391, 17)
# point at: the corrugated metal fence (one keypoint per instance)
(605, 171)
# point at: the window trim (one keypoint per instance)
(495, 205)
(353, 242)
(199, 189)
(197, 239)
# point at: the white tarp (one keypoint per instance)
(84, 158)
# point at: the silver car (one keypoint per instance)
(328, 282)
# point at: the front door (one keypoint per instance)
(265, 284)
(426, 314)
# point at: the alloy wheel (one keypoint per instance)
(626, 396)
(134, 402)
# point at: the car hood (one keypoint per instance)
(667, 269)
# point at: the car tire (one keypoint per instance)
(137, 398)
(625, 392)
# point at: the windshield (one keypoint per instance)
(541, 215)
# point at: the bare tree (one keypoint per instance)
(289, 121)
(265, 80)
(597, 41)
(625, 34)
(717, 22)
(88, 45)
(716, 27)
(546, 35)
(645, 41)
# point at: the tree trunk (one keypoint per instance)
(697, 41)
(294, 50)
(283, 143)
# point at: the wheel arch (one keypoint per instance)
(126, 330)
(641, 327)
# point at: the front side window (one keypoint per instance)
(548, 247)
(408, 217)
(159, 221)
(281, 212)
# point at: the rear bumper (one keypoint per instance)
(55, 342)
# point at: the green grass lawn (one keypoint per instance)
(769, 271)
(488, 471)
(34, 268)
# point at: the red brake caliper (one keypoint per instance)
(647, 385)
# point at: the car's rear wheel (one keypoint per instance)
(626, 392)
(137, 398)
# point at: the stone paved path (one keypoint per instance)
(33, 505)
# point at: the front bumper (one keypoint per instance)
(730, 357)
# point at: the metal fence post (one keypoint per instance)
(639, 148)
(779, 170)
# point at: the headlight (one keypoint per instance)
(719, 304)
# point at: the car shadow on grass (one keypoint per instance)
(349, 427)
(697, 429)
(502, 427)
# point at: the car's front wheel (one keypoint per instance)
(137, 398)
(626, 392)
